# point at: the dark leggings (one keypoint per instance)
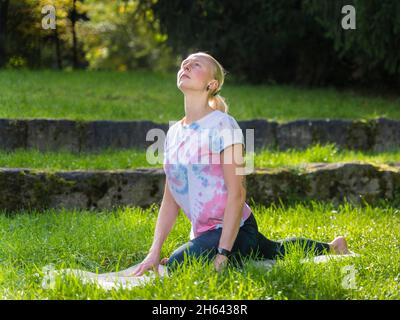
(249, 242)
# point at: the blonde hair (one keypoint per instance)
(215, 100)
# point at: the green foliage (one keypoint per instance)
(27, 41)
(374, 46)
(297, 41)
(123, 35)
(20, 35)
(114, 35)
(292, 41)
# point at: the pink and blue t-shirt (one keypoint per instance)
(194, 172)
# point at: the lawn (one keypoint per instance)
(108, 241)
(130, 159)
(99, 95)
(114, 240)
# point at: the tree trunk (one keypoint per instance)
(3, 31)
(58, 51)
(74, 40)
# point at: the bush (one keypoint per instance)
(293, 41)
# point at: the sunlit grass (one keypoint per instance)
(131, 159)
(328, 153)
(114, 240)
(99, 95)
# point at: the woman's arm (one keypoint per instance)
(232, 159)
(165, 221)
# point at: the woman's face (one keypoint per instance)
(195, 73)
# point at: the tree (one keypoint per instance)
(124, 35)
(372, 50)
(101, 34)
(3, 30)
(292, 41)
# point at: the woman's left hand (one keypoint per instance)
(220, 262)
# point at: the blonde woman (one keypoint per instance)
(210, 192)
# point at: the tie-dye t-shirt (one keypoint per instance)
(194, 172)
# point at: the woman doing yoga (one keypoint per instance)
(202, 154)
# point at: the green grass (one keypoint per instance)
(130, 159)
(114, 240)
(87, 95)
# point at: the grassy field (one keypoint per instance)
(115, 240)
(130, 159)
(142, 95)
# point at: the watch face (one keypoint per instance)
(223, 252)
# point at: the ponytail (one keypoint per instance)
(217, 102)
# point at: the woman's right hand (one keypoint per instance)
(151, 262)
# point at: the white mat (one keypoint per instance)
(122, 280)
(106, 281)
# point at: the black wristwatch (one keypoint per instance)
(223, 252)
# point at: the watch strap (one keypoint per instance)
(223, 252)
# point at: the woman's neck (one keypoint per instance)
(196, 107)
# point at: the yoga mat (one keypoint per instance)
(122, 280)
(106, 281)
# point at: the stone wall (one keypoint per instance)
(98, 190)
(89, 136)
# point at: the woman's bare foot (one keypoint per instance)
(339, 245)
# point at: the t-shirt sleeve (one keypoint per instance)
(229, 133)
